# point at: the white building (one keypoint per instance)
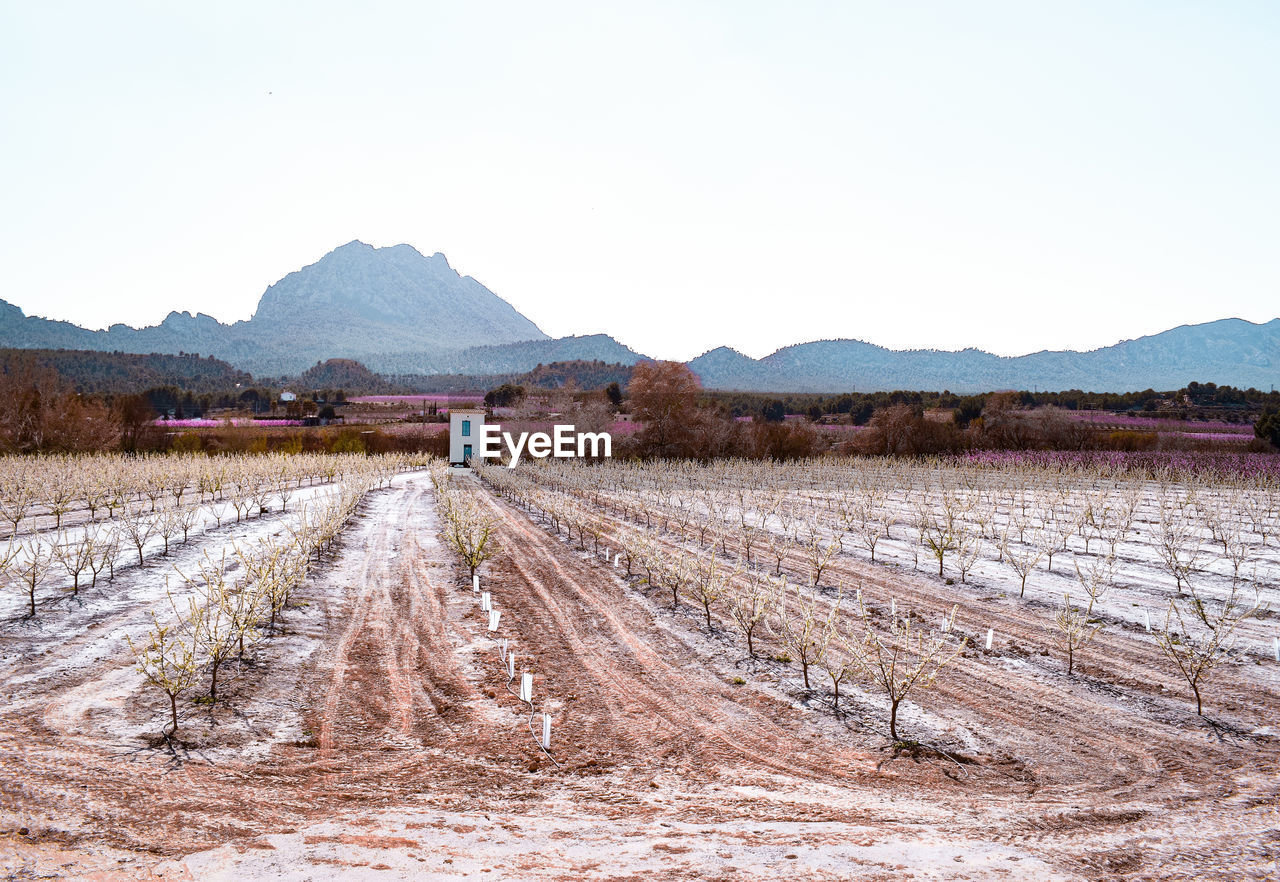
(466, 434)
(286, 395)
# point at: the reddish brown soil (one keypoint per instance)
(414, 745)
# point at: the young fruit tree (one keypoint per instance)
(1179, 545)
(1199, 633)
(711, 579)
(797, 625)
(937, 532)
(751, 605)
(74, 555)
(215, 631)
(837, 659)
(138, 527)
(1022, 559)
(818, 553)
(471, 533)
(168, 661)
(1096, 578)
(1074, 630)
(902, 658)
(31, 566)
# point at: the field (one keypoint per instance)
(670, 615)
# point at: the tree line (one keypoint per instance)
(1194, 401)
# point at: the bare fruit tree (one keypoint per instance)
(213, 629)
(74, 555)
(751, 604)
(818, 553)
(837, 659)
(31, 565)
(1199, 633)
(1022, 559)
(798, 626)
(937, 530)
(1178, 544)
(710, 580)
(1096, 578)
(168, 661)
(901, 658)
(470, 531)
(1074, 630)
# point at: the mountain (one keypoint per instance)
(1230, 351)
(398, 312)
(381, 301)
(360, 302)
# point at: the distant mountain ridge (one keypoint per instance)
(399, 312)
(1229, 351)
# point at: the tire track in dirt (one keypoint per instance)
(1024, 703)
(1119, 744)
(394, 640)
(392, 703)
(646, 692)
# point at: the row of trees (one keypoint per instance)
(122, 506)
(886, 653)
(35, 490)
(1212, 540)
(468, 529)
(1196, 400)
(225, 607)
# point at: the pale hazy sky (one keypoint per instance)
(1006, 175)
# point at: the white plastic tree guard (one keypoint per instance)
(1276, 646)
(546, 731)
(511, 665)
(486, 602)
(475, 584)
(991, 633)
(526, 687)
(893, 607)
(616, 558)
(1146, 620)
(502, 649)
(494, 616)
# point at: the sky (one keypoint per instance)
(1009, 176)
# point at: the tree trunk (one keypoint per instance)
(173, 711)
(213, 681)
(893, 720)
(1195, 688)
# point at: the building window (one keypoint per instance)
(466, 428)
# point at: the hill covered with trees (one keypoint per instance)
(124, 373)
